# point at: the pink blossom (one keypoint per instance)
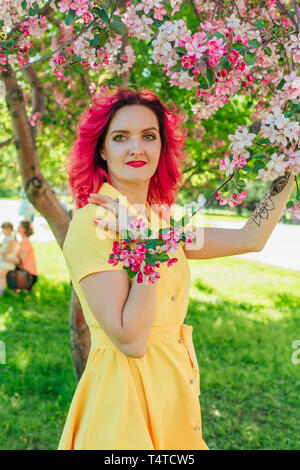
(81, 6)
(172, 261)
(34, 120)
(239, 162)
(64, 5)
(59, 74)
(3, 59)
(188, 61)
(113, 259)
(159, 13)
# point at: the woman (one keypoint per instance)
(140, 387)
(25, 258)
(7, 253)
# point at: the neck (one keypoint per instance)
(136, 193)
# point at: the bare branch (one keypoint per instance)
(195, 9)
(297, 12)
(284, 10)
(6, 142)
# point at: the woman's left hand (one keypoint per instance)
(123, 216)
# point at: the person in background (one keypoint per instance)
(25, 258)
(26, 208)
(7, 253)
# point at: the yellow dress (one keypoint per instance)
(122, 403)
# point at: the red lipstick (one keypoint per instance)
(136, 163)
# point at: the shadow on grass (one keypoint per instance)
(37, 380)
(249, 385)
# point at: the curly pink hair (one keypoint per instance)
(87, 170)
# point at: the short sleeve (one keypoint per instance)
(87, 247)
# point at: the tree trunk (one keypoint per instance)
(80, 336)
(40, 193)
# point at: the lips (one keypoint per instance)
(136, 163)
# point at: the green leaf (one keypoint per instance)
(177, 67)
(70, 17)
(131, 274)
(246, 168)
(95, 40)
(118, 27)
(101, 14)
(219, 35)
(258, 156)
(241, 184)
(280, 84)
(116, 18)
(268, 51)
(298, 195)
(289, 204)
(238, 46)
(180, 50)
(152, 243)
(210, 78)
(253, 43)
(263, 141)
(259, 24)
(249, 58)
(259, 165)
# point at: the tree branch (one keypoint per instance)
(6, 142)
(60, 47)
(284, 10)
(42, 12)
(195, 9)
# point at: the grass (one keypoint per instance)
(245, 316)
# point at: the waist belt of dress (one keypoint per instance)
(179, 331)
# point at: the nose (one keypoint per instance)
(136, 148)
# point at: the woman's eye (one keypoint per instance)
(115, 138)
(151, 135)
(146, 135)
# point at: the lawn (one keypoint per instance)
(245, 316)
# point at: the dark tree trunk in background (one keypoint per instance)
(41, 195)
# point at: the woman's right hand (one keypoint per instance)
(125, 219)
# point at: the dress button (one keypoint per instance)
(192, 381)
(197, 428)
(181, 340)
(173, 297)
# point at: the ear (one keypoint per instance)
(102, 155)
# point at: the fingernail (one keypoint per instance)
(97, 221)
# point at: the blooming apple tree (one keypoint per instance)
(229, 49)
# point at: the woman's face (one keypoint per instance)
(133, 135)
(21, 230)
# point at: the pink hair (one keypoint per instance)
(87, 170)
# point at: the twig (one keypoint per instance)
(296, 6)
(284, 10)
(60, 47)
(43, 11)
(6, 142)
(196, 11)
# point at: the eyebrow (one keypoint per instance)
(127, 132)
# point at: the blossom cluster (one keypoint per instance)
(142, 257)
